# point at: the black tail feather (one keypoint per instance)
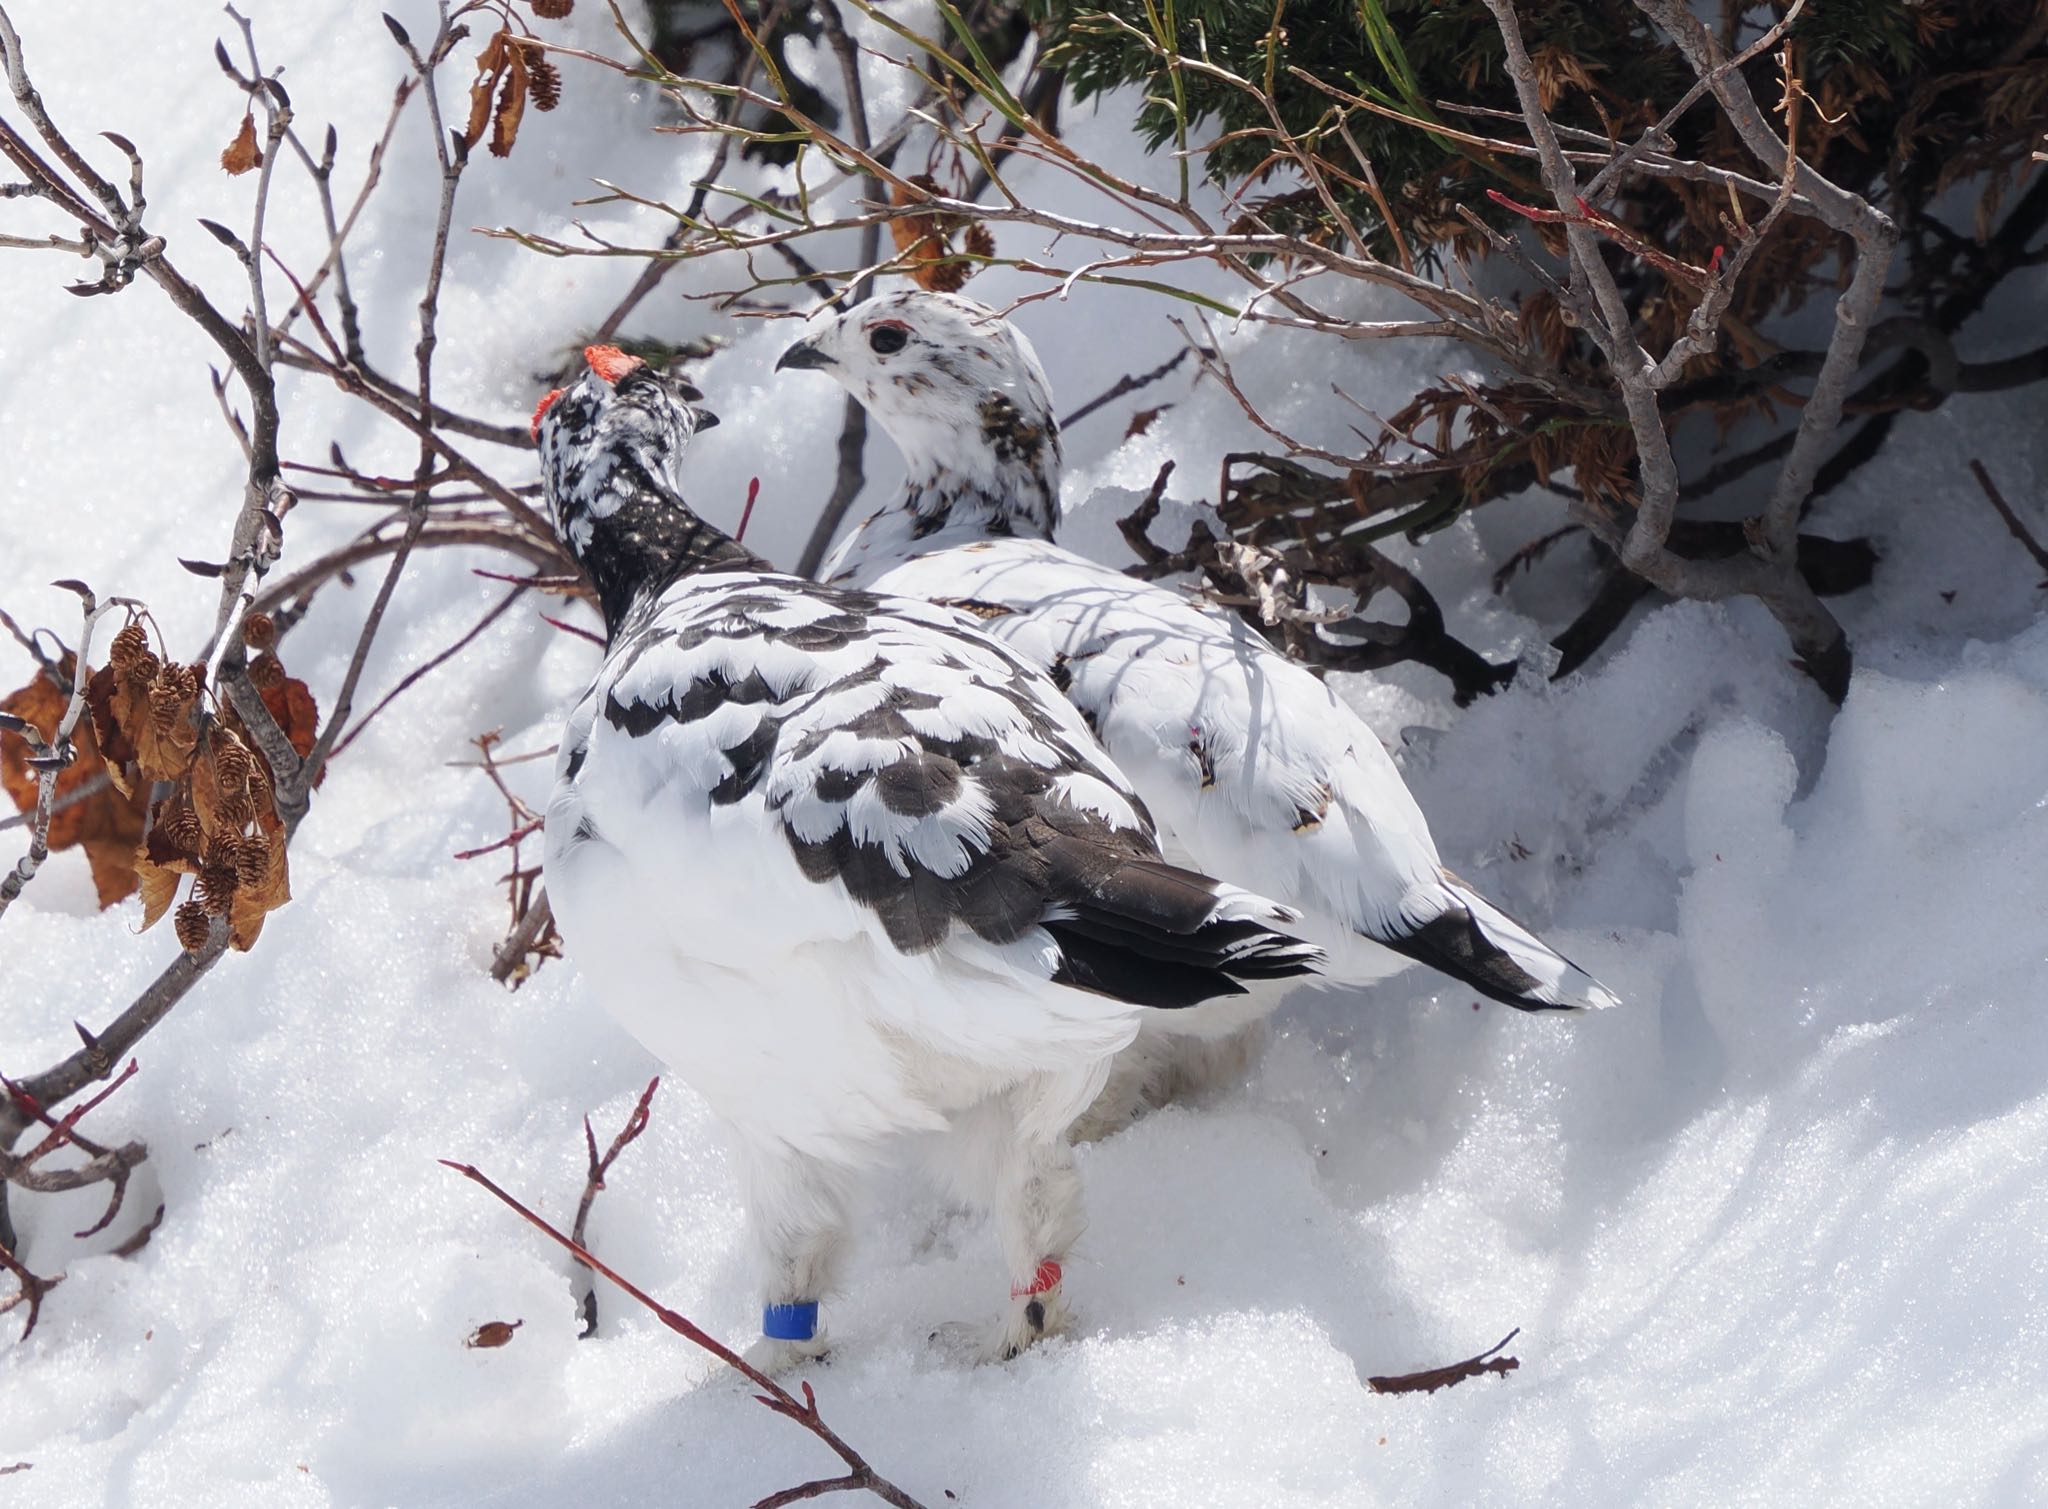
(1453, 943)
(1146, 933)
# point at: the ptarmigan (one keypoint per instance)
(853, 870)
(1251, 765)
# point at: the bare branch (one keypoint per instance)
(777, 1398)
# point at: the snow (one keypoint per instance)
(1771, 1232)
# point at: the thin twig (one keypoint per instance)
(420, 672)
(593, 1181)
(2013, 522)
(805, 1411)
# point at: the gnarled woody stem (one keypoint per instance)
(1770, 571)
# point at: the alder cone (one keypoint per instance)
(216, 888)
(192, 927)
(266, 671)
(232, 759)
(544, 82)
(553, 10)
(253, 902)
(129, 647)
(259, 631)
(180, 826)
(252, 862)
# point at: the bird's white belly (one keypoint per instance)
(816, 1045)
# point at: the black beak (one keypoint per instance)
(706, 420)
(803, 354)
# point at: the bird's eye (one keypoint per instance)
(884, 339)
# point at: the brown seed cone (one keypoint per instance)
(252, 861)
(216, 889)
(543, 81)
(181, 827)
(232, 761)
(191, 925)
(266, 671)
(236, 808)
(553, 10)
(945, 277)
(259, 631)
(141, 672)
(165, 704)
(129, 646)
(981, 240)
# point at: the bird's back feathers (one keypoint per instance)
(911, 767)
(1252, 766)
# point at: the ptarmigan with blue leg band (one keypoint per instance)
(1251, 765)
(854, 870)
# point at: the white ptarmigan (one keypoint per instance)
(1251, 765)
(853, 870)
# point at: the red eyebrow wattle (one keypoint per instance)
(540, 411)
(610, 363)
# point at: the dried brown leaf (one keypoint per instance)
(242, 153)
(490, 63)
(116, 701)
(493, 1333)
(107, 825)
(921, 239)
(511, 103)
(1142, 421)
(159, 887)
(291, 702)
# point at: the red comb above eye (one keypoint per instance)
(610, 363)
(540, 412)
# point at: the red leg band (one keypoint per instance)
(1046, 1277)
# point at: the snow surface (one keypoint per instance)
(1773, 1232)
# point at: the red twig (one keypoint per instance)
(1614, 230)
(636, 1123)
(61, 1131)
(1431, 1379)
(30, 1293)
(773, 1394)
(753, 492)
(544, 581)
(305, 302)
(568, 628)
(511, 840)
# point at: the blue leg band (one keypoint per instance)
(790, 1322)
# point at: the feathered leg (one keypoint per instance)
(1038, 1220)
(797, 1212)
(1009, 1157)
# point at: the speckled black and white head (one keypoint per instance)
(611, 448)
(960, 391)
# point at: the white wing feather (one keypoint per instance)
(1250, 765)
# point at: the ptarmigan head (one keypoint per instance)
(608, 439)
(959, 390)
(611, 448)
